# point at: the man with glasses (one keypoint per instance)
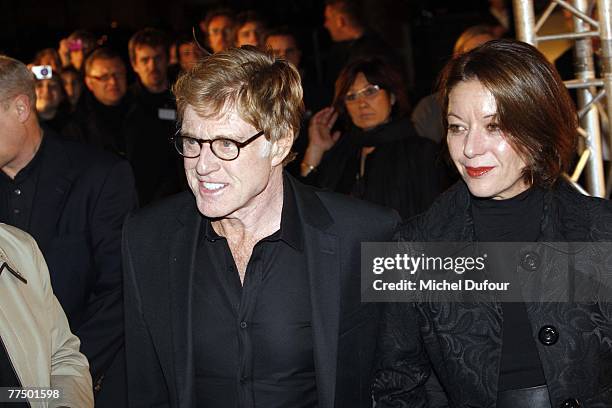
(101, 115)
(245, 292)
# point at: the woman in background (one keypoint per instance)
(377, 156)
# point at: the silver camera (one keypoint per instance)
(42, 71)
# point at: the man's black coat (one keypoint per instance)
(159, 245)
(82, 198)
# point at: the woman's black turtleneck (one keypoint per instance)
(517, 219)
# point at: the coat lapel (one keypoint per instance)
(323, 265)
(181, 260)
(55, 179)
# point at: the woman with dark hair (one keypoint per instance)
(52, 103)
(511, 133)
(377, 156)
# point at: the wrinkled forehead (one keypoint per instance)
(226, 123)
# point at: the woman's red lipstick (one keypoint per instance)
(478, 171)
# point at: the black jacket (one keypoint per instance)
(158, 250)
(81, 199)
(448, 354)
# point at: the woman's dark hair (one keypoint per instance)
(534, 108)
(378, 72)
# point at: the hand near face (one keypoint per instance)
(320, 138)
(320, 135)
(64, 52)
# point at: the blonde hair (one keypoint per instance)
(15, 79)
(266, 92)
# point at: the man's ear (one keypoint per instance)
(281, 149)
(88, 83)
(23, 107)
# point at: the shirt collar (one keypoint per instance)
(291, 229)
(29, 168)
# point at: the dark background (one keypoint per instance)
(421, 31)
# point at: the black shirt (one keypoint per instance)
(253, 343)
(17, 195)
(517, 219)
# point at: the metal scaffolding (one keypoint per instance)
(591, 91)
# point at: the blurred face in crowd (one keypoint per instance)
(333, 23)
(151, 66)
(474, 42)
(72, 86)
(284, 46)
(106, 80)
(188, 55)
(228, 189)
(48, 97)
(219, 31)
(367, 105)
(487, 162)
(78, 49)
(249, 34)
(51, 60)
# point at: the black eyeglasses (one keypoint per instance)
(225, 149)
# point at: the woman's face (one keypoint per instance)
(367, 106)
(73, 86)
(48, 95)
(487, 162)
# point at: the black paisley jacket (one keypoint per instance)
(448, 354)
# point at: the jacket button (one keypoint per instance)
(530, 261)
(243, 325)
(548, 336)
(570, 403)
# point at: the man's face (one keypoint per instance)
(72, 86)
(219, 32)
(284, 46)
(332, 23)
(12, 135)
(188, 55)
(48, 95)
(151, 66)
(228, 189)
(249, 34)
(106, 80)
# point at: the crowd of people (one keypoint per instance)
(201, 233)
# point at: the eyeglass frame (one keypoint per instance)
(210, 142)
(361, 94)
(113, 75)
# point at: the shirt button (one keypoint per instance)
(530, 261)
(16, 211)
(17, 191)
(243, 325)
(548, 335)
(570, 403)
